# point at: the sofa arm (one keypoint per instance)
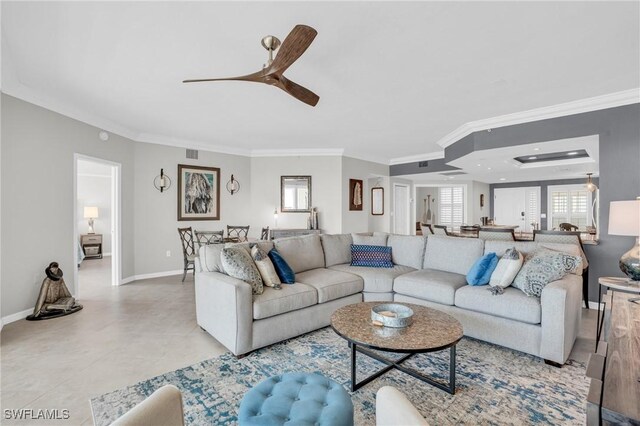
(561, 315)
(393, 408)
(224, 308)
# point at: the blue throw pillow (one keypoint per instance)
(480, 272)
(373, 256)
(284, 271)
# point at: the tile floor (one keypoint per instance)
(123, 335)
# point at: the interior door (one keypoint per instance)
(509, 206)
(517, 206)
(401, 209)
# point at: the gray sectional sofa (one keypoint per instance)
(428, 271)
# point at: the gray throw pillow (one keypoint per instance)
(542, 267)
(237, 263)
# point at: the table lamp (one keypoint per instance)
(91, 213)
(624, 219)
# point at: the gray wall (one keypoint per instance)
(38, 149)
(619, 132)
(352, 168)
(544, 186)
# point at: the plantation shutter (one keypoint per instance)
(451, 206)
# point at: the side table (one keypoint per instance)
(614, 284)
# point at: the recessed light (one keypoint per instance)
(488, 168)
(536, 149)
(479, 165)
(572, 153)
(533, 157)
(503, 178)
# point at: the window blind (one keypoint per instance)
(451, 205)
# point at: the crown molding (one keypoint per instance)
(415, 158)
(305, 152)
(190, 144)
(611, 100)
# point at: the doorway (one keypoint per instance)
(517, 207)
(401, 214)
(96, 224)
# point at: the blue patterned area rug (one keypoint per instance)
(494, 385)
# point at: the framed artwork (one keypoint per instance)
(355, 195)
(377, 201)
(198, 193)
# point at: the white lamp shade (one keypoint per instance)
(90, 212)
(624, 218)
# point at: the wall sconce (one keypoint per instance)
(275, 216)
(162, 181)
(233, 185)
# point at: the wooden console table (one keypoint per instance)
(291, 232)
(614, 392)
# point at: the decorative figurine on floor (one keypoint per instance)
(54, 300)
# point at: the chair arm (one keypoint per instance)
(224, 308)
(162, 408)
(393, 408)
(561, 303)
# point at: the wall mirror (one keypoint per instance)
(295, 194)
(377, 201)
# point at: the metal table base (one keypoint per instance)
(391, 364)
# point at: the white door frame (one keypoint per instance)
(116, 232)
(408, 209)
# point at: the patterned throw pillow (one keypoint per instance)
(373, 256)
(265, 267)
(508, 267)
(542, 267)
(238, 264)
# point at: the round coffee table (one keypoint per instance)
(431, 331)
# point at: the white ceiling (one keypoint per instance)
(393, 78)
(498, 165)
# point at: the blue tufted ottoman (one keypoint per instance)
(297, 399)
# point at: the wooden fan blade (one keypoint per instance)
(298, 40)
(301, 93)
(258, 77)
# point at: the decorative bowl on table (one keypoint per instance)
(392, 315)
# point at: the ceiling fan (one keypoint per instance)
(296, 43)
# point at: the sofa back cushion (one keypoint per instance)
(407, 250)
(452, 254)
(301, 253)
(528, 247)
(370, 240)
(337, 248)
(209, 256)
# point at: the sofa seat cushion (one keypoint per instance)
(376, 280)
(290, 298)
(331, 284)
(512, 304)
(430, 284)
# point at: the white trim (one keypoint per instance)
(151, 275)
(594, 305)
(16, 317)
(94, 175)
(611, 100)
(408, 207)
(297, 152)
(419, 157)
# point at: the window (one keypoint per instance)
(569, 204)
(451, 206)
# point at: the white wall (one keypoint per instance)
(381, 223)
(359, 221)
(325, 172)
(38, 149)
(95, 191)
(156, 220)
(478, 212)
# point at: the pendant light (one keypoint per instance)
(591, 187)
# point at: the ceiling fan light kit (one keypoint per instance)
(293, 46)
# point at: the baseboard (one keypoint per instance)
(133, 278)
(16, 317)
(106, 254)
(594, 305)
